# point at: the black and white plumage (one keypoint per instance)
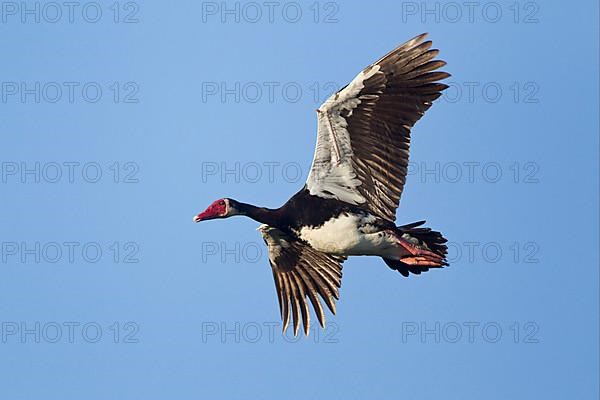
(364, 129)
(348, 204)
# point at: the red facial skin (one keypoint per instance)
(217, 209)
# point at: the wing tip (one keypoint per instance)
(420, 37)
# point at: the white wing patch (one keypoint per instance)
(331, 174)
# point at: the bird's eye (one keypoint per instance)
(222, 203)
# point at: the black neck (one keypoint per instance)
(260, 214)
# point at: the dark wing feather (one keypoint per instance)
(302, 274)
(363, 139)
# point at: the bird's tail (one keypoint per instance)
(425, 248)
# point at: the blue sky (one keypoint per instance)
(120, 122)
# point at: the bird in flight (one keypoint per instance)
(348, 205)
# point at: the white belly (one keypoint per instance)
(350, 234)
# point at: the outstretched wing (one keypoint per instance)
(301, 274)
(363, 139)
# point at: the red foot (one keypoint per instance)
(420, 256)
(421, 261)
